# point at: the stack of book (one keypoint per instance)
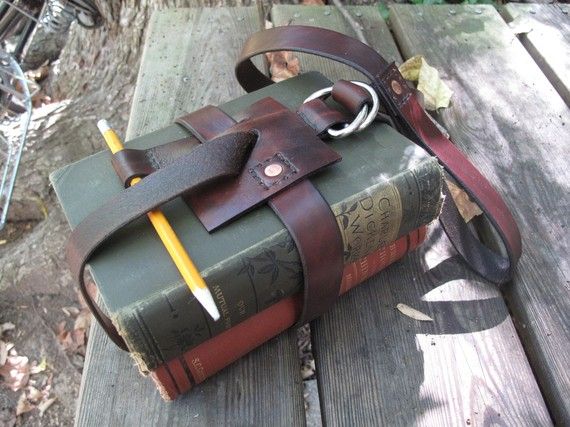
(383, 194)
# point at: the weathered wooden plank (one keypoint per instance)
(376, 32)
(514, 126)
(188, 62)
(546, 36)
(376, 366)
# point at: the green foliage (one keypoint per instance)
(446, 2)
(384, 11)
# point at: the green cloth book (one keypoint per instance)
(385, 187)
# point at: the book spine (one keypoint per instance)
(178, 375)
(169, 323)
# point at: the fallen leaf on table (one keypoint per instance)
(466, 207)
(283, 65)
(411, 68)
(521, 25)
(23, 405)
(44, 405)
(413, 313)
(436, 93)
(16, 372)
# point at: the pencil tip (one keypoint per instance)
(103, 126)
(205, 298)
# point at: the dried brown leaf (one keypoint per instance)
(83, 320)
(466, 207)
(413, 313)
(16, 372)
(283, 65)
(45, 404)
(23, 405)
(34, 394)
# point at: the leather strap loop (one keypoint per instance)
(206, 123)
(320, 116)
(350, 96)
(129, 164)
(219, 159)
(402, 105)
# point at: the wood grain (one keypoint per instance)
(547, 39)
(375, 30)
(377, 367)
(187, 63)
(515, 127)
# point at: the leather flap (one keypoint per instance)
(287, 151)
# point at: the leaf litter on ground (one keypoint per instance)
(16, 370)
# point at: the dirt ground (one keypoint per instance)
(43, 326)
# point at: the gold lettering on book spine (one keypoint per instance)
(369, 221)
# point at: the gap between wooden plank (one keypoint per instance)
(546, 36)
(372, 367)
(512, 124)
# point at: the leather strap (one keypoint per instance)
(320, 116)
(206, 123)
(304, 212)
(403, 107)
(219, 159)
(312, 224)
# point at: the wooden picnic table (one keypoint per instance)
(490, 356)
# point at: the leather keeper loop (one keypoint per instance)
(350, 96)
(320, 116)
(129, 164)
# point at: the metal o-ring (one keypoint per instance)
(363, 118)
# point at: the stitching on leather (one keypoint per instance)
(266, 182)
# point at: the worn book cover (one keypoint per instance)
(384, 187)
(180, 374)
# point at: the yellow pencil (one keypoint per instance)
(169, 239)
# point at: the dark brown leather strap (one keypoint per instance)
(301, 208)
(206, 123)
(402, 105)
(320, 116)
(221, 158)
(350, 96)
(312, 224)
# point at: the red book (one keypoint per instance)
(178, 375)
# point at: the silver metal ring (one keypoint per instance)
(363, 118)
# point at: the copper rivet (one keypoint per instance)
(273, 169)
(396, 87)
